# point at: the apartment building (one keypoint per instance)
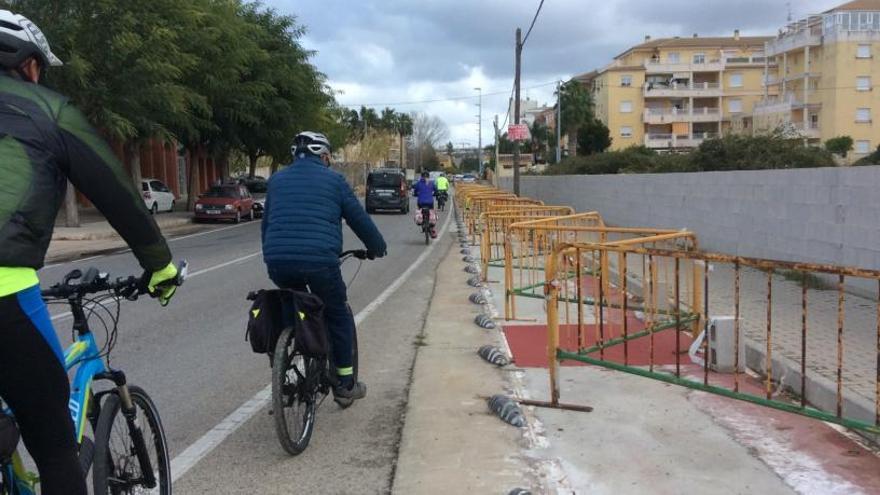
(824, 82)
(673, 93)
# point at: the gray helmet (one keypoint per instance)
(21, 39)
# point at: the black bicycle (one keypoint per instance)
(426, 224)
(442, 197)
(300, 383)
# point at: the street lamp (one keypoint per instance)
(480, 131)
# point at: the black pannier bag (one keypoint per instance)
(266, 321)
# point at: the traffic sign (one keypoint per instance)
(517, 132)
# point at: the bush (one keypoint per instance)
(728, 153)
(872, 159)
(840, 145)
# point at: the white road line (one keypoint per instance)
(68, 314)
(173, 239)
(191, 455)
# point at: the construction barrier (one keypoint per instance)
(528, 243)
(651, 295)
(497, 218)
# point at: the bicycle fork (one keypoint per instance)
(137, 435)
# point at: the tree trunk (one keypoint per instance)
(273, 168)
(192, 180)
(572, 142)
(71, 207)
(252, 166)
(223, 163)
(133, 149)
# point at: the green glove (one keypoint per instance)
(162, 284)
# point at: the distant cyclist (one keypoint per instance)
(302, 240)
(424, 191)
(442, 184)
(44, 141)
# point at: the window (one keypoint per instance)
(735, 106)
(626, 80)
(863, 115)
(863, 83)
(699, 58)
(863, 147)
(864, 51)
(626, 131)
(626, 106)
(158, 186)
(672, 58)
(736, 80)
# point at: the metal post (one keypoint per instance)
(558, 121)
(516, 111)
(480, 132)
(71, 208)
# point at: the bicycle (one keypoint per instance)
(300, 383)
(426, 224)
(117, 471)
(442, 197)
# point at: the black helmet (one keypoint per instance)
(425, 175)
(21, 39)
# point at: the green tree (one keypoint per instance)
(594, 137)
(840, 145)
(577, 111)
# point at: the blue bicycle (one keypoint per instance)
(129, 453)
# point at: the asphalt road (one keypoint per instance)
(192, 358)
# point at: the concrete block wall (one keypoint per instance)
(820, 215)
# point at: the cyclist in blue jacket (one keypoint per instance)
(302, 240)
(424, 191)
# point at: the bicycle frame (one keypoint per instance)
(84, 355)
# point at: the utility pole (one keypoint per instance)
(558, 121)
(497, 165)
(516, 111)
(480, 132)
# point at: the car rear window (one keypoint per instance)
(384, 180)
(220, 192)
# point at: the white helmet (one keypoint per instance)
(313, 143)
(20, 39)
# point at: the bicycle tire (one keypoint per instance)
(109, 475)
(304, 394)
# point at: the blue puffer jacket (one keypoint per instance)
(305, 204)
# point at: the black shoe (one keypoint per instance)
(345, 397)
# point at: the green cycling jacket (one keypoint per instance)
(44, 141)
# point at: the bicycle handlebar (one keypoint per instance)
(94, 281)
(361, 254)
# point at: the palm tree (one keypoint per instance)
(577, 111)
(404, 129)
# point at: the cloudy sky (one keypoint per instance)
(434, 52)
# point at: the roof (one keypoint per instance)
(711, 42)
(856, 5)
(587, 76)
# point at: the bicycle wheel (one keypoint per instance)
(294, 394)
(118, 466)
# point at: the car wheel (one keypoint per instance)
(237, 216)
(154, 209)
(172, 207)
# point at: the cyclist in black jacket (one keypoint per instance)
(44, 141)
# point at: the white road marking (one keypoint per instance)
(68, 314)
(173, 239)
(191, 455)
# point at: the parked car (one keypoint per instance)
(259, 205)
(257, 184)
(386, 190)
(468, 178)
(157, 196)
(226, 202)
(457, 177)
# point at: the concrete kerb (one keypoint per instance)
(103, 230)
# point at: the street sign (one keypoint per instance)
(517, 132)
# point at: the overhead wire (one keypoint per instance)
(537, 12)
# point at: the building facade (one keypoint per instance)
(673, 93)
(823, 82)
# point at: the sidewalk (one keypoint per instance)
(96, 236)
(451, 442)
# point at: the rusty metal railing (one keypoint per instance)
(792, 323)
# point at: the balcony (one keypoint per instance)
(807, 32)
(667, 67)
(669, 115)
(758, 61)
(675, 90)
(672, 141)
(782, 104)
(810, 131)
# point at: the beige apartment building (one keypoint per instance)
(824, 81)
(673, 93)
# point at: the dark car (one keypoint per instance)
(255, 184)
(387, 190)
(227, 202)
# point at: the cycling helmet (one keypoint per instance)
(21, 39)
(312, 143)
